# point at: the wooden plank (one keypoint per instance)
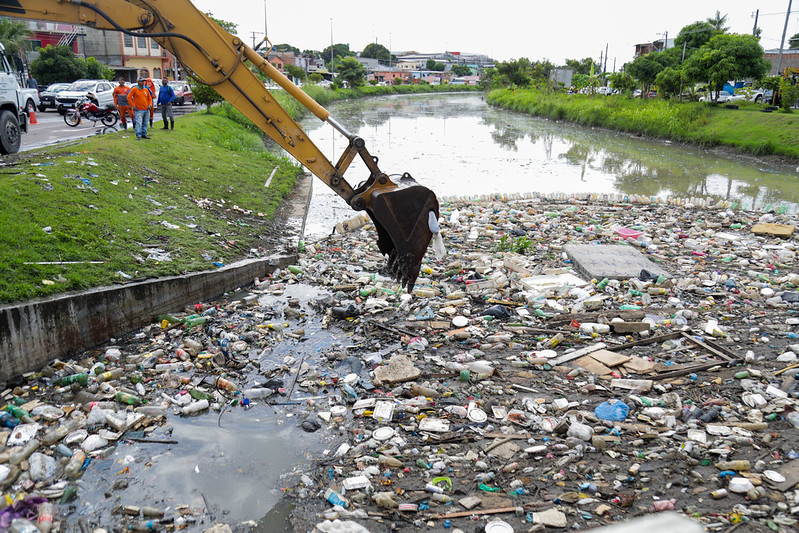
(608, 358)
(592, 365)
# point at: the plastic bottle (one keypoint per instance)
(23, 525)
(130, 399)
(59, 432)
(83, 379)
(20, 414)
(389, 461)
(149, 525)
(30, 447)
(196, 407)
(443, 498)
(7, 420)
(433, 488)
(258, 392)
(45, 520)
(110, 374)
(738, 466)
(224, 384)
(73, 468)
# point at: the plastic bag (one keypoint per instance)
(613, 410)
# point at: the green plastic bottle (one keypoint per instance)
(130, 399)
(82, 378)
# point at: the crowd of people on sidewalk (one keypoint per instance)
(138, 103)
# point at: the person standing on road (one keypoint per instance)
(32, 83)
(121, 101)
(142, 102)
(151, 87)
(166, 95)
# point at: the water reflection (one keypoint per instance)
(458, 145)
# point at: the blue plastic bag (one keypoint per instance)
(613, 410)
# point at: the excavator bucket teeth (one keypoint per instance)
(401, 218)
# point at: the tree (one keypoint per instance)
(376, 51)
(580, 81)
(622, 81)
(14, 35)
(514, 72)
(694, 36)
(205, 95)
(352, 71)
(726, 57)
(315, 77)
(57, 63)
(432, 64)
(287, 48)
(581, 66)
(295, 72)
(461, 70)
(793, 42)
(668, 81)
(229, 27)
(97, 71)
(340, 50)
(718, 22)
(645, 69)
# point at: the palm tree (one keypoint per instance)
(14, 35)
(718, 22)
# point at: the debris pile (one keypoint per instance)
(569, 364)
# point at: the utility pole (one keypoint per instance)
(265, 33)
(600, 61)
(684, 44)
(332, 71)
(782, 43)
(754, 29)
(254, 34)
(605, 67)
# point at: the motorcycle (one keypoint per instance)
(89, 108)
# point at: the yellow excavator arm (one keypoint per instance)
(401, 209)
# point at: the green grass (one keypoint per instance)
(747, 128)
(112, 198)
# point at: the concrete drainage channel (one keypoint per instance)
(34, 333)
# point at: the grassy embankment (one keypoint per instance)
(104, 203)
(196, 193)
(746, 129)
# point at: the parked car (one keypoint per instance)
(604, 90)
(47, 96)
(723, 98)
(182, 92)
(103, 90)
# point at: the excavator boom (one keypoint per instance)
(400, 210)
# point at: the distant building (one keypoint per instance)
(655, 46)
(562, 75)
(790, 59)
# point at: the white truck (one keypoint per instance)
(13, 107)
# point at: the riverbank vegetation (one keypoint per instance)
(109, 209)
(746, 128)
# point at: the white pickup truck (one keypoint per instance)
(14, 104)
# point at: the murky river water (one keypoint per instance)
(458, 145)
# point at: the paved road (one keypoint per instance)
(51, 128)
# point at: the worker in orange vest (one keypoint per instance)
(142, 101)
(151, 87)
(121, 101)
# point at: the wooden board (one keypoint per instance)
(639, 365)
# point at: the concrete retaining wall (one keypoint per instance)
(36, 332)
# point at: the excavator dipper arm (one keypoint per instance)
(400, 209)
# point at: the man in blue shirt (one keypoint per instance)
(166, 95)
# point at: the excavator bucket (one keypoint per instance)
(401, 218)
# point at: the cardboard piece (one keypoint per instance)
(776, 230)
(592, 365)
(608, 358)
(639, 365)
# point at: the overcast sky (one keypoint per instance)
(554, 30)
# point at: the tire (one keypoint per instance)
(72, 118)
(109, 119)
(42, 108)
(758, 98)
(10, 133)
(29, 105)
